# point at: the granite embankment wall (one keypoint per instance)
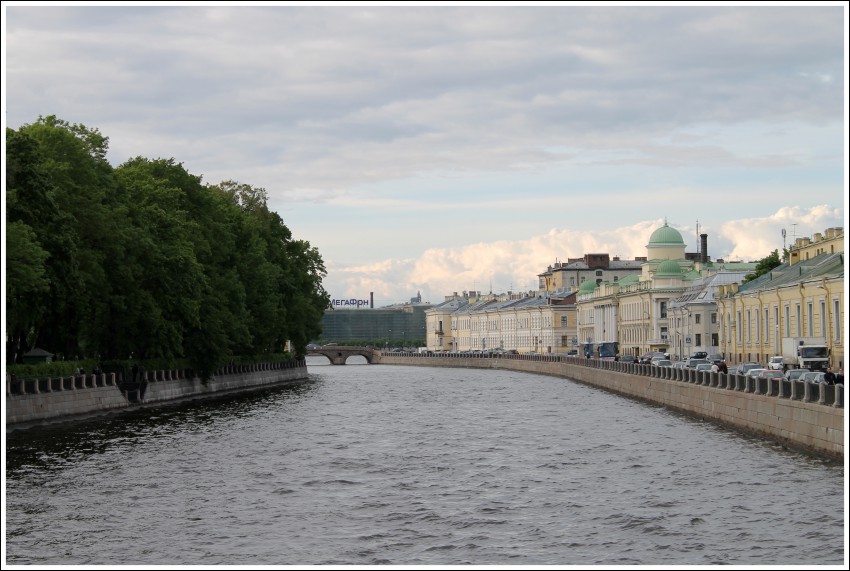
(801, 415)
(30, 401)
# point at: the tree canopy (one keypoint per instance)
(764, 265)
(144, 259)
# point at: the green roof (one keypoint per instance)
(668, 268)
(666, 236)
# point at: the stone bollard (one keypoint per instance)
(798, 390)
(772, 387)
(810, 392)
(839, 395)
(827, 394)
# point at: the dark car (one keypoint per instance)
(700, 355)
(627, 359)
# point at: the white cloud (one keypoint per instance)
(515, 264)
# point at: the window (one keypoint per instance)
(598, 273)
(738, 326)
(787, 321)
(715, 342)
(810, 319)
(698, 339)
(663, 307)
(713, 318)
(766, 326)
(799, 321)
(563, 321)
(823, 319)
(697, 319)
(663, 332)
(836, 322)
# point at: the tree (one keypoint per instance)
(763, 266)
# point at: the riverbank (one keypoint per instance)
(800, 415)
(35, 401)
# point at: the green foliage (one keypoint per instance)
(144, 261)
(764, 265)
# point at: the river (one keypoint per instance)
(388, 465)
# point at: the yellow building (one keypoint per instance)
(803, 299)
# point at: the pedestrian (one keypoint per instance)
(839, 377)
(829, 377)
(715, 368)
(723, 368)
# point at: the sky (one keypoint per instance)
(431, 149)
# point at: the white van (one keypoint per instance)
(775, 363)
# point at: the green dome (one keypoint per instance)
(666, 236)
(668, 268)
(587, 286)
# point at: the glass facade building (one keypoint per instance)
(391, 325)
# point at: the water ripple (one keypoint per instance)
(413, 466)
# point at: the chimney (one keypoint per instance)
(371, 300)
(703, 247)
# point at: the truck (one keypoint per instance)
(805, 353)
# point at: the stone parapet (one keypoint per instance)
(31, 401)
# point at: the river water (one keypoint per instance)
(385, 465)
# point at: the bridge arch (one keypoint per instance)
(338, 354)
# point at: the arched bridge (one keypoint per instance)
(339, 353)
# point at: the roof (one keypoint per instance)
(822, 266)
(668, 268)
(666, 236)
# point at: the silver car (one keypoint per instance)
(812, 377)
(794, 374)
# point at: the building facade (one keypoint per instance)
(654, 311)
(803, 298)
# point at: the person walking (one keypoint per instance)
(723, 368)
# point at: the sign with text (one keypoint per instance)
(349, 303)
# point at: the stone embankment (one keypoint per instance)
(801, 415)
(31, 401)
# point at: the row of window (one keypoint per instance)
(754, 328)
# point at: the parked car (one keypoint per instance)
(775, 363)
(794, 374)
(662, 362)
(704, 367)
(744, 367)
(627, 358)
(715, 358)
(692, 363)
(753, 373)
(647, 358)
(812, 377)
(680, 365)
(771, 374)
(699, 355)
